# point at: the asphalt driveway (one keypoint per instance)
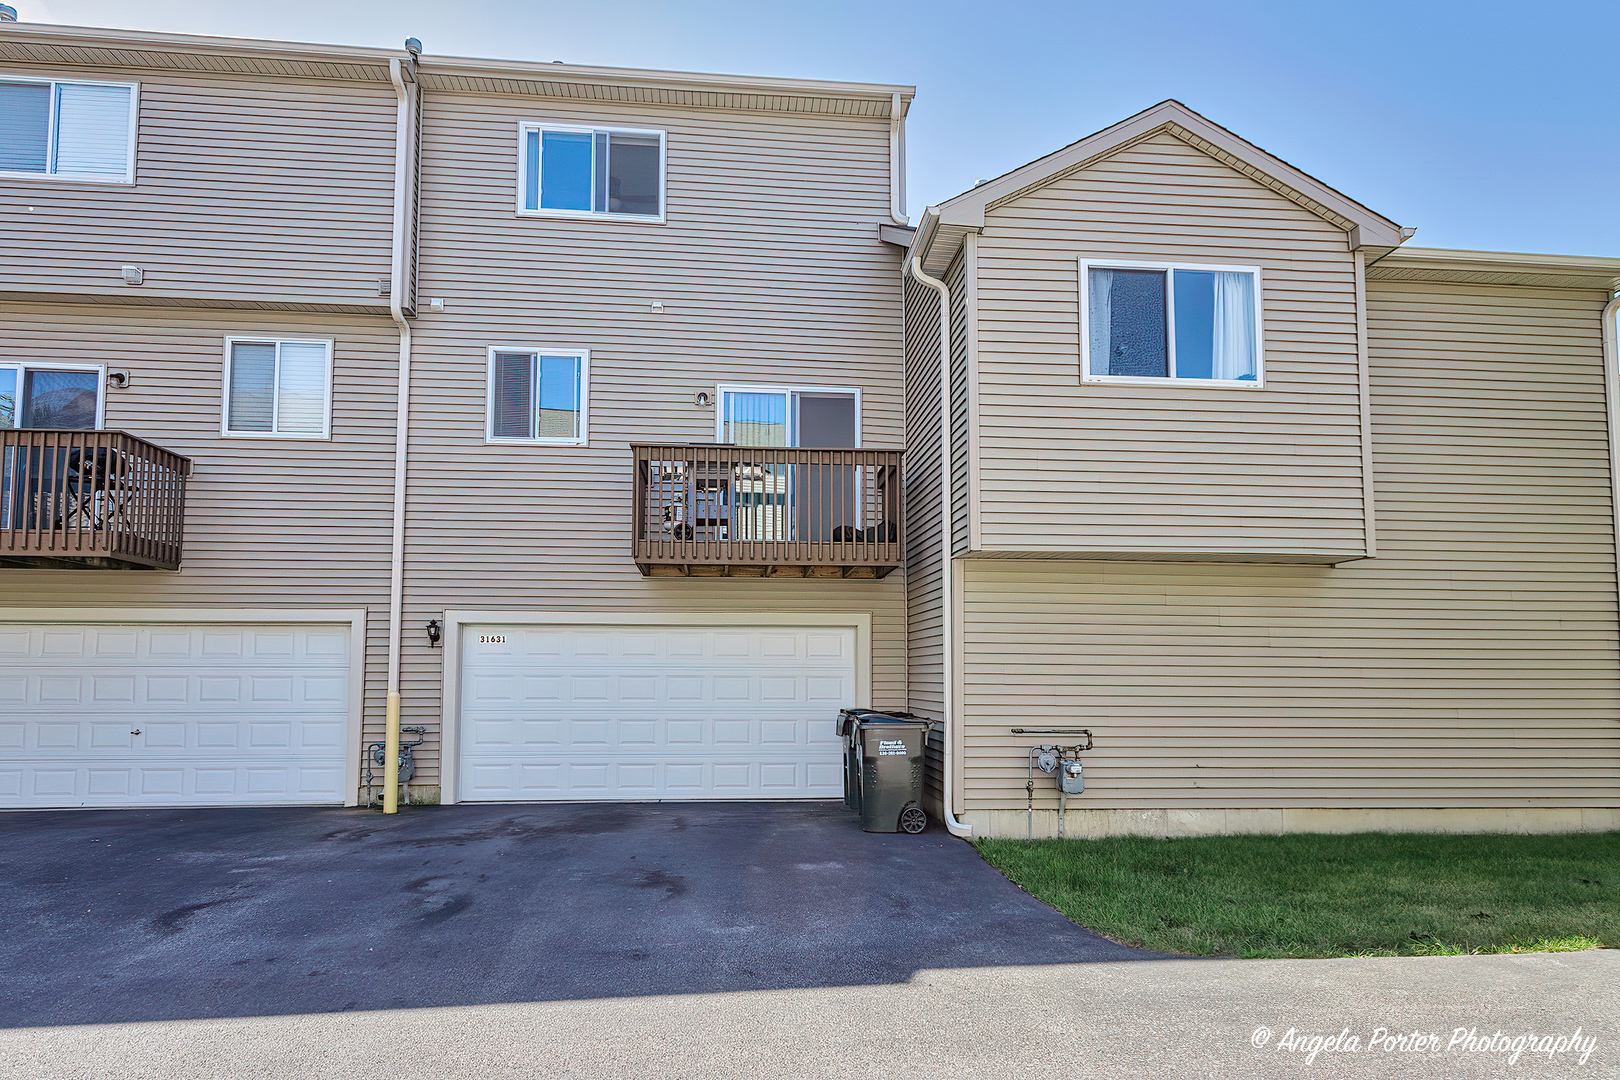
(163, 915)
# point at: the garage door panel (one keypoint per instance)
(165, 715)
(683, 712)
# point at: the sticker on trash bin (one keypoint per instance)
(890, 747)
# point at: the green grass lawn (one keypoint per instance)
(1365, 894)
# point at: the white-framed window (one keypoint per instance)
(64, 396)
(277, 388)
(1171, 322)
(68, 129)
(590, 172)
(538, 395)
(822, 417)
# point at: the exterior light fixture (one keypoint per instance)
(434, 632)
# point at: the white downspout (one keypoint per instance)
(396, 568)
(946, 543)
(1611, 391)
(897, 162)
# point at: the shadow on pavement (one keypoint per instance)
(160, 915)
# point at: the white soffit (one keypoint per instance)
(81, 47)
(1496, 268)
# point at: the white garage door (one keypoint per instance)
(170, 715)
(653, 712)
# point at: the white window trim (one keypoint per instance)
(50, 175)
(1257, 383)
(526, 126)
(20, 366)
(763, 388)
(325, 434)
(584, 358)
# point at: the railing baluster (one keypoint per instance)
(91, 495)
(702, 505)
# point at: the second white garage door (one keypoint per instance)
(666, 712)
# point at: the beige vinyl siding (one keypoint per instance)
(269, 522)
(1472, 664)
(956, 280)
(246, 189)
(769, 270)
(923, 604)
(1166, 470)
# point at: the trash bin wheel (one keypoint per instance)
(913, 820)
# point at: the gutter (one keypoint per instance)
(396, 309)
(947, 590)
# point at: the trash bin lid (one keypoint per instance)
(846, 717)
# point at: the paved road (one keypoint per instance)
(675, 940)
(1167, 1019)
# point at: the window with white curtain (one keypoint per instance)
(538, 396)
(1146, 321)
(566, 171)
(71, 130)
(278, 388)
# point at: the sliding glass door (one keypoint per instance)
(775, 500)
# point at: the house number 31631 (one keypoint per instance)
(492, 639)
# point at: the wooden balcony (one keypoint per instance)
(89, 500)
(708, 510)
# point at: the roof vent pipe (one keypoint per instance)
(8, 13)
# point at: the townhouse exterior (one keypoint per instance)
(580, 260)
(1307, 529)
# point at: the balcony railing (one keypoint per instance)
(752, 511)
(90, 500)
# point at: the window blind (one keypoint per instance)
(301, 388)
(252, 390)
(92, 130)
(25, 126)
(514, 396)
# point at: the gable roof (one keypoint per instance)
(943, 226)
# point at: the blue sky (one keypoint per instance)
(1484, 125)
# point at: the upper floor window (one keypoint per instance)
(1150, 322)
(72, 130)
(278, 388)
(588, 172)
(537, 396)
(50, 396)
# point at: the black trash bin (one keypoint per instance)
(883, 768)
